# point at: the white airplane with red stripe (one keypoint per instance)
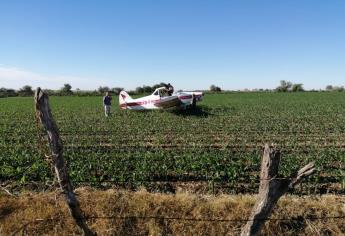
(160, 99)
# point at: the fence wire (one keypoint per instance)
(297, 218)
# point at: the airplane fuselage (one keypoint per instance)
(158, 101)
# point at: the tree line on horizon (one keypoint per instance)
(66, 90)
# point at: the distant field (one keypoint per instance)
(217, 147)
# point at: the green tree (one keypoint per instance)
(338, 88)
(284, 86)
(66, 89)
(297, 88)
(329, 88)
(148, 89)
(4, 92)
(214, 88)
(103, 89)
(139, 90)
(116, 90)
(26, 91)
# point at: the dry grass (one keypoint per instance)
(17, 212)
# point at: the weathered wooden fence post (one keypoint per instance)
(271, 189)
(44, 115)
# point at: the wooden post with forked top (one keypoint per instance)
(44, 115)
(271, 189)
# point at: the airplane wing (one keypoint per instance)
(167, 102)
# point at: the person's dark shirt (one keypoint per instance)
(107, 100)
(170, 89)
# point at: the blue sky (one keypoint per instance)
(191, 44)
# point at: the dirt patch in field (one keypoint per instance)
(142, 213)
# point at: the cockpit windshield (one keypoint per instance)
(162, 92)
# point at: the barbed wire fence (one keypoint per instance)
(208, 186)
(23, 228)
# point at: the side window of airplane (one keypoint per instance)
(163, 93)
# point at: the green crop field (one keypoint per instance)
(218, 145)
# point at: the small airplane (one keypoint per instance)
(160, 99)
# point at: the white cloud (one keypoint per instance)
(13, 77)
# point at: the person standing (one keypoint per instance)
(107, 103)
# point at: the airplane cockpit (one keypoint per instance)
(161, 92)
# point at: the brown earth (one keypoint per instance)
(166, 214)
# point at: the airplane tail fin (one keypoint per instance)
(123, 98)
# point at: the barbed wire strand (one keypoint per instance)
(297, 218)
